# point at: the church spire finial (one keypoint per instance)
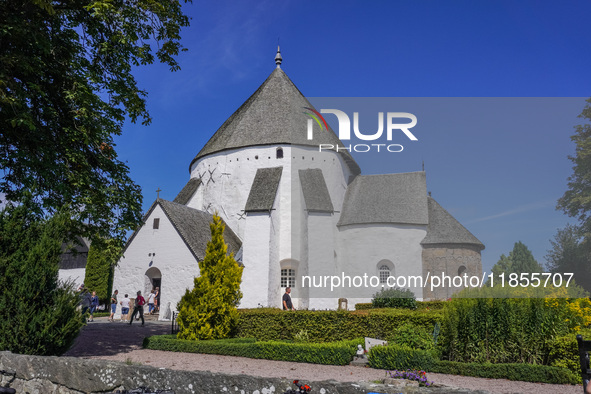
(278, 58)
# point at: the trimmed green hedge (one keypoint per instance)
(401, 357)
(523, 372)
(267, 324)
(427, 305)
(336, 353)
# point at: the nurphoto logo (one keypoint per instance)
(392, 126)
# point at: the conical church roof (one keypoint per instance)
(274, 114)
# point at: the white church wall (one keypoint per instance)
(169, 254)
(285, 201)
(227, 177)
(226, 181)
(75, 275)
(321, 262)
(256, 258)
(274, 266)
(362, 247)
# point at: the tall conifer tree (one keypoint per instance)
(209, 310)
(37, 314)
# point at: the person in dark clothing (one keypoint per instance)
(85, 300)
(138, 307)
(287, 305)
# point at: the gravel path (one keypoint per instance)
(120, 342)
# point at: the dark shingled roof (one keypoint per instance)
(273, 115)
(390, 198)
(264, 189)
(193, 227)
(190, 188)
(445, 229)
(315, 191)
(74, 254)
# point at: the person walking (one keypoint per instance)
(113, 305)
(157, 300)
(151, 299)
(138, 307)
(125, 308)
(85, 300)
(94, 303)
(287, 305)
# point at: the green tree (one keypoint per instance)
(37, 314)
(102, 257)
(520, 260)
(569, 254)
(576, 201)
(209, 310)
(66, 87)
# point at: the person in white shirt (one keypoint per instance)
(125, 308)
(151, 299)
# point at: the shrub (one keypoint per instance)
(427, 305)
(102, 257)
(209, 310)
(394, 298)
(336, 353)
(37, 315)
(329, 326)
(564, 352)
(434, 305)
(412, 336)
(522, 372)
(401, 357)
(504, 330)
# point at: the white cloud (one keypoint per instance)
(521, 209)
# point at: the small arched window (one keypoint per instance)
(384, 274)
(280, 153)
(461, 270)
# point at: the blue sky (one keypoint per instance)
(497, 166)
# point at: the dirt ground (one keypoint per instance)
(121, 342)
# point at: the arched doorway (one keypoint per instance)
(153, 280)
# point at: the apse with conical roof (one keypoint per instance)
(274, 114)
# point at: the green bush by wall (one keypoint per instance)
(401, 357)
(266, 324)
(336, 353)
(394, 298)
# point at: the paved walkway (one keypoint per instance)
(103, 338)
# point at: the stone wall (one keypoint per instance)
(449, 259)
(69, 375)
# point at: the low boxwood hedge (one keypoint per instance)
(403, 357)
(523, 372)
(436, 305)
(336, 353)
(266, 324)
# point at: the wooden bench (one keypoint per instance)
(584, 350)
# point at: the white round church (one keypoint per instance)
(294, 217)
